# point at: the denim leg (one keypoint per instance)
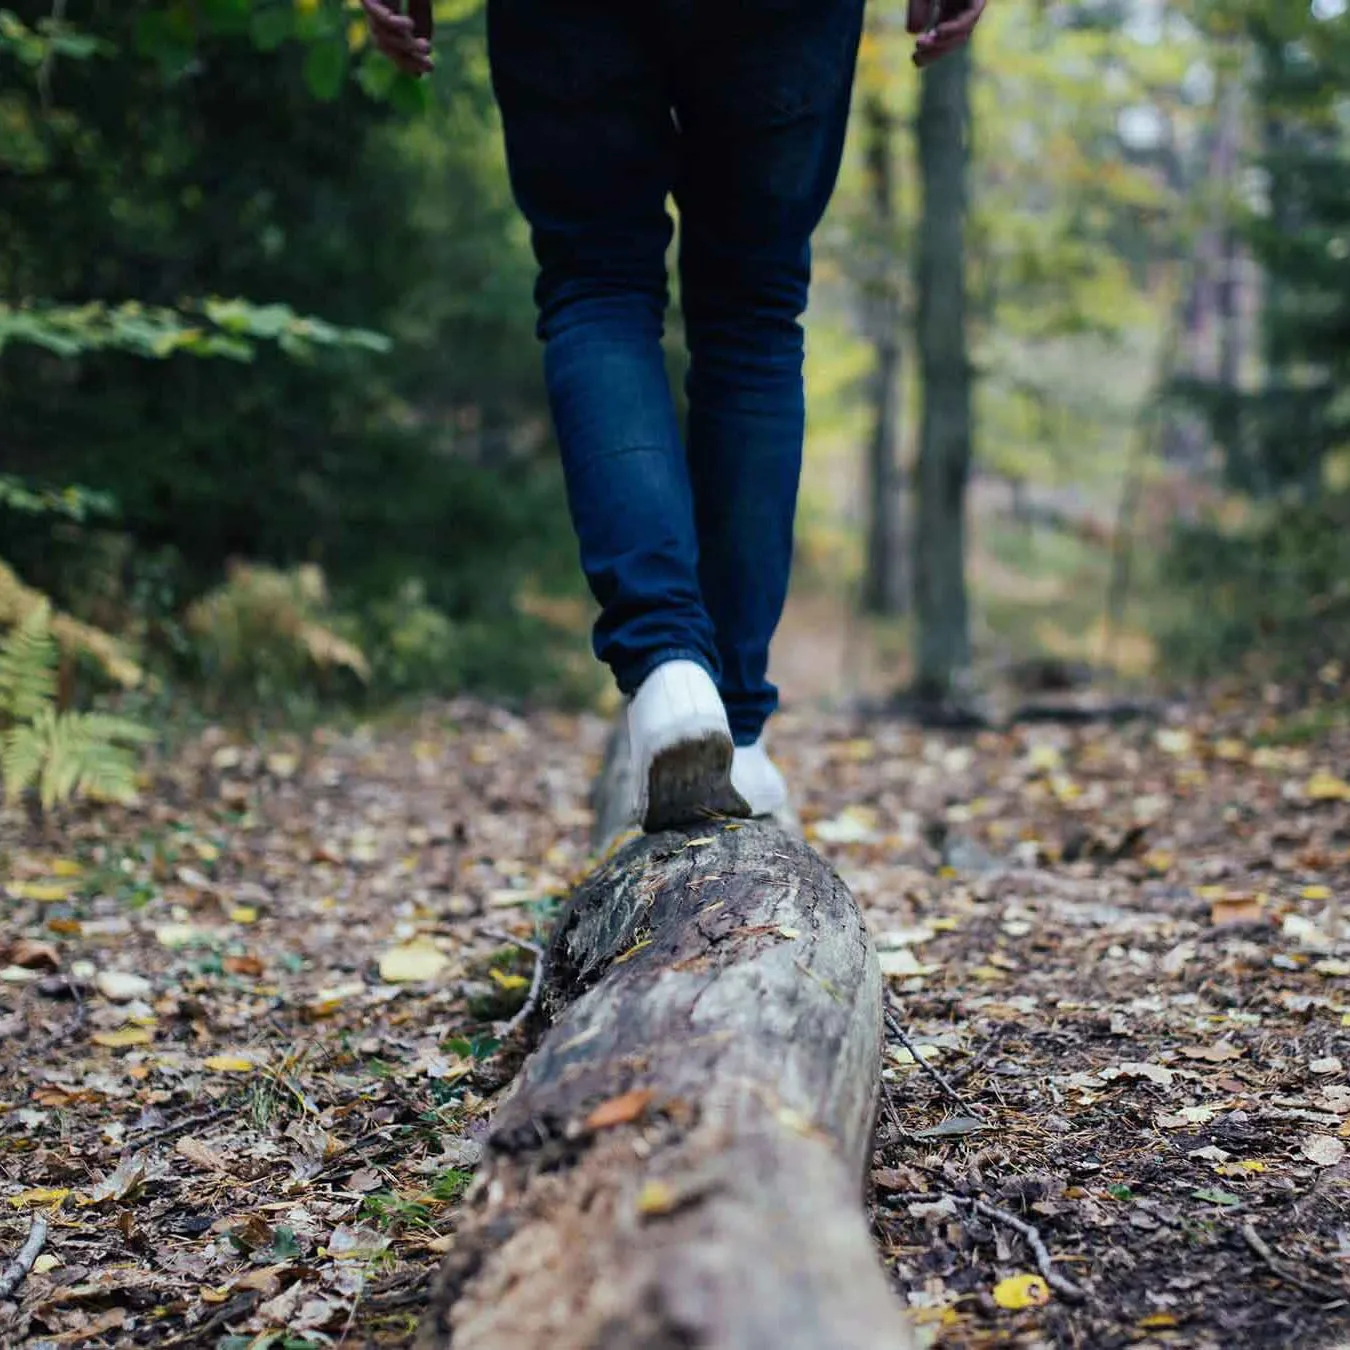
(763, 97)
(590, 145)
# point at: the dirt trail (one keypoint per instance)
(247, 1029)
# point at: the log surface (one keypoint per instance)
(716, 996)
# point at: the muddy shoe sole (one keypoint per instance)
(691, 782)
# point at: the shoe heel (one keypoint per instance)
(691, 782)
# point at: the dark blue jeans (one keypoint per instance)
(737, 110)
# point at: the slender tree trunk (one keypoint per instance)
(885, 589)
(945, 435)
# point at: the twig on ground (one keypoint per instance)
(1258, 1244)
(981, 1057)
(177, 1127)
(536, 983)
(899, 1033)
(16, 1272)
(1059, 1283)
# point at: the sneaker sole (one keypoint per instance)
(691, 782)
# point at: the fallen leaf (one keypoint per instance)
(1325, 1066)
(1323, 1149)
(413, 963)
(1022, 1291)
(123, 1037)
(951, 1128)
(509, 981)
(902, 963)
(1316, 892)
(1236, 908)
(48, 1261)
(1155, 1073)
(1213, 1054)
(1156, 1321)
(1324, 786)
(39, 1195)
(620, 1110)
(656, 1197)
(176, 935)
(243, 914)
(1215, 1196)
(109, 1320)
(197, 1152)
(32, 955)
(122, 986)
(229, 1064)
(43, 891)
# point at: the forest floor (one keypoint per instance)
(248, 1029)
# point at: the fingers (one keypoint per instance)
(949, 35)
(394, 36)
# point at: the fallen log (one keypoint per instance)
(678, 1166)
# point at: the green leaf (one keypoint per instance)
(1217, 1197)
(325, 69)
(271, 26)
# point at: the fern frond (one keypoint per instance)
(28, 660)
(84, 758)
(25, 748)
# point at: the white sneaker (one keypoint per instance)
(681, 748)
(756, 777)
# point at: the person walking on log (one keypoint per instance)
(736, 110)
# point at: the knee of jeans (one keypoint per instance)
(567, 301)
(764, 294)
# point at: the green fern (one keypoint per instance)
(62, 755)
(28, 660)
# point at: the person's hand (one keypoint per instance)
(396, 34)
(942, 26)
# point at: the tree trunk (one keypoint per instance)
(944, 445)
(885, 589)
(678, 1165)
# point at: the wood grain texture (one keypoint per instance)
(719, 990)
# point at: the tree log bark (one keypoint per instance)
(679, 1164)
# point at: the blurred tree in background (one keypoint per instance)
(265, 309)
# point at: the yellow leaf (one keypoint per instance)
(123, 1037)
(40, 1195)
(66, 867)
(509, 981)
(38, 890)
(1045, 758)
(1174, 741)
(1156, 1321)
(229, 1064)
(700, 841)
(1317, 892)
(206, 852)
(217, 1295)
(656, 1197)
(1251, 1165)
(1326, 787)
(412, 963)
(243, 914)
(1022, 1291)
(47, 1261)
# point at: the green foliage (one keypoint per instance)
(229, 328)
(61, 754)
(1277, 589)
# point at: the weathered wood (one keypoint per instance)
(718, 990)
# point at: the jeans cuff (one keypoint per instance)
(632, 676)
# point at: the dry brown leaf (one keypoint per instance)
(620, 1110)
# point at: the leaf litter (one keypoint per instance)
(254, 1026)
